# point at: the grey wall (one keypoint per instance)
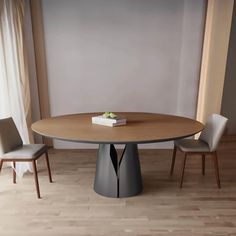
(123, 55)
(229, 95)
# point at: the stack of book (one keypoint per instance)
(112, 122)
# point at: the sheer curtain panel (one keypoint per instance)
(14, 80)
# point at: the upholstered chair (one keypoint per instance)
(205, 145)
(13, 150)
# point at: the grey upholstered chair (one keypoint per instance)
(206, 144)
(13, 150)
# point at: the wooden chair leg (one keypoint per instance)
(1, 163)
(203, 164)
(36, 178)
(215, 160)
(48, 167)
(14, 172)
(182, 176)
(173, 161)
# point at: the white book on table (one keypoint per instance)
(108, 124)
(101, 120)
(116, 120)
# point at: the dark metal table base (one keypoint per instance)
(118, 178)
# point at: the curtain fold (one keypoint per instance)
(214, 57)
(14, 78)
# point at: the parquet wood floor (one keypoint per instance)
(69, 206)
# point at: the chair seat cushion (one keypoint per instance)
(192, 145)
(27, 151)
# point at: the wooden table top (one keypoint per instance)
(140, 128)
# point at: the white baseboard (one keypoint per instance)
(72, 145)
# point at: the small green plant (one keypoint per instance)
(108, 114)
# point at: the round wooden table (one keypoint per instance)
(118, 177)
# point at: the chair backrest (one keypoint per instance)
(213, 130)
(9, 136)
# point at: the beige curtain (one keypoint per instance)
(14, 78)
(214, 57)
